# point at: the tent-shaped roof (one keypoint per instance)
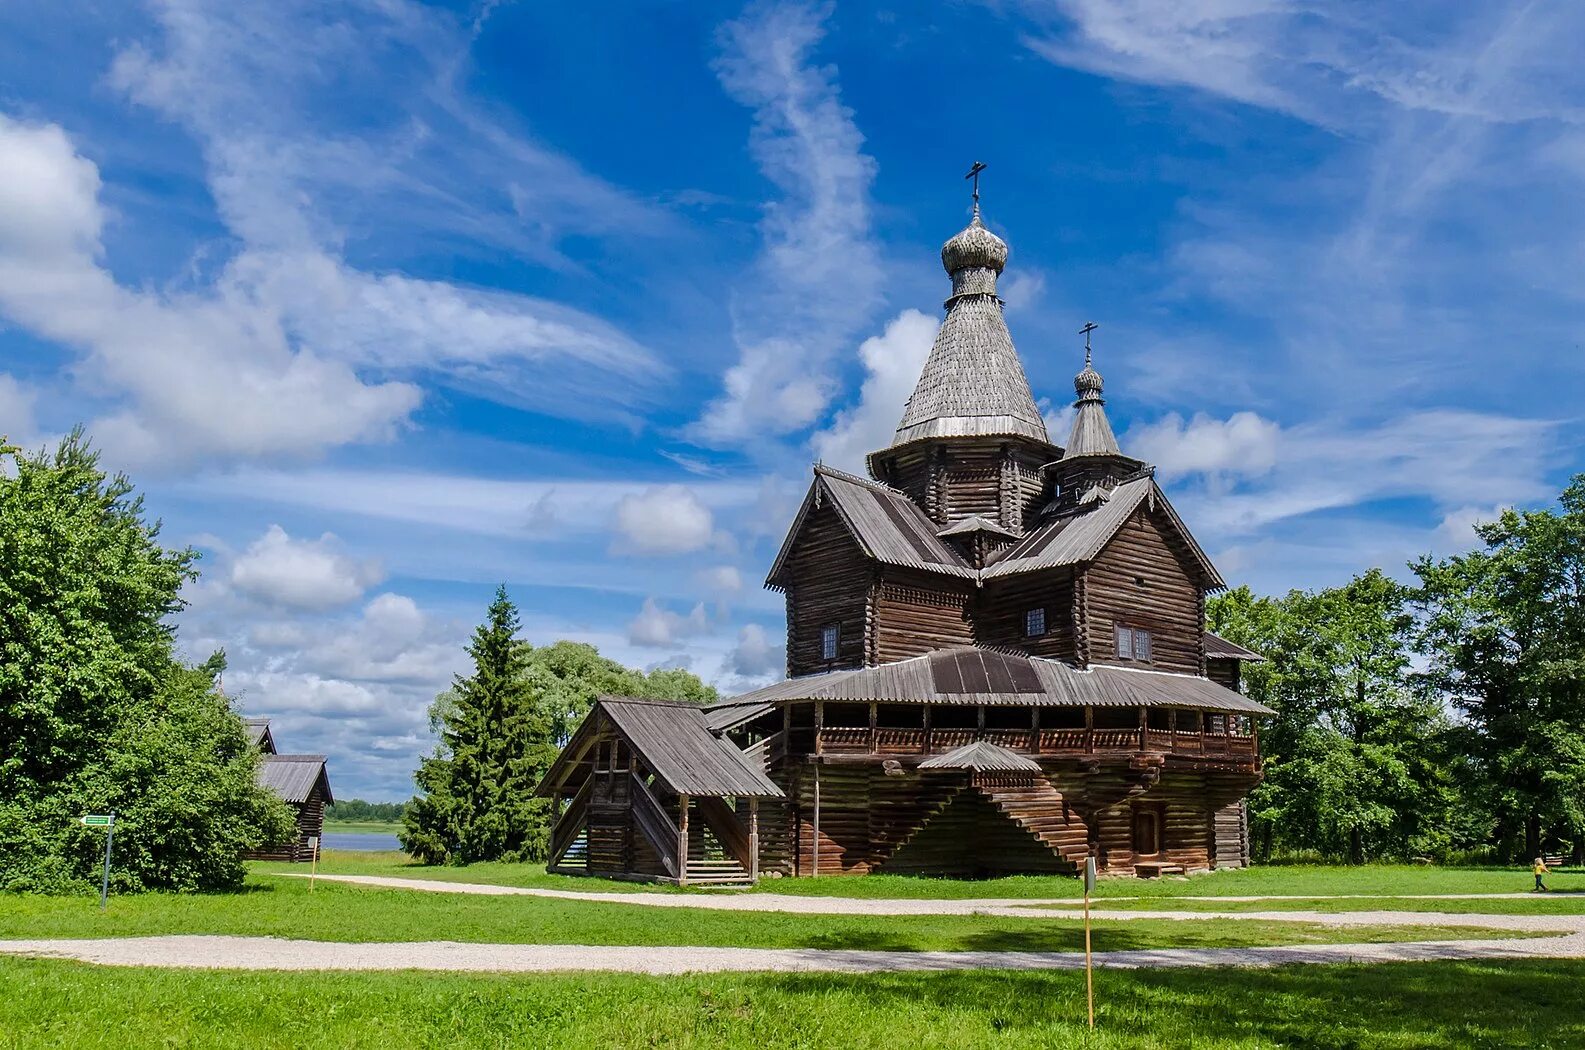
(294, 777)
(674, 741)
(982, 756)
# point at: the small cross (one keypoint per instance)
(974, 173)
(1089, 326)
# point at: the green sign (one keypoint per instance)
(97, 820)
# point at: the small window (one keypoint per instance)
(1034, 623)
(1133, 643)
(828, 642)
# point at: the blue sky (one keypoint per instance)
(383, 303)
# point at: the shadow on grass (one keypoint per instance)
(1518, 1004)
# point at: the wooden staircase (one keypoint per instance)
(574, 859)
(709, 864)
(1038, 808)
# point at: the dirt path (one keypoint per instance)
(268, 953)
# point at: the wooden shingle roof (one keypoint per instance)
(985, 676)
(982, 756)
(673, 740)
(1219, 648)
(293, 777)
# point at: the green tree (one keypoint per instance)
(95, 711)
(1504, 631)
(1358, 763)
(499, 731)
(478, 785)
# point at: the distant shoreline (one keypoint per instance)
(372, 827)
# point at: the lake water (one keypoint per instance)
(358, 840)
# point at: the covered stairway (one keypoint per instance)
(645, 791)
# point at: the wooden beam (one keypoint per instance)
(753, 839)
(682, 841)
(815, 842)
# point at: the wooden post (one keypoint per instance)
(1144, 720)
(815, 841)
(1089, 730)
(979, 728)
(820, 725)
(682, 841)
(874, 731)
(753, 839)
(1034, 729)
(929, 747)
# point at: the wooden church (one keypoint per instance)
(996, 654)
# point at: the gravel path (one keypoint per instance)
(268, 953)
(781, 902)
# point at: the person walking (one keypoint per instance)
(1540, 869)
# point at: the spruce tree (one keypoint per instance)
(477, 802)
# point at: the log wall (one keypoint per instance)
(915, 613)
(999, 613)
(1140, 580)
(831, 585)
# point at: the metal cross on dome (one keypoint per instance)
(974, 173)
(1089, 326)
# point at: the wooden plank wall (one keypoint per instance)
(831, 584)
(1167, 603)
(1232, 841)
(1223, 672)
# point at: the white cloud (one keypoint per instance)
(302, 574)
(818, 276)
(206, 375)
(754, 656)
(722, 581)
(1452, 459)
(892, 363)
(657, 627)
(1243, 444)
(17, 421)
(667, 519)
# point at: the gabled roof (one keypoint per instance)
(258, 730)
(294, 777)
(967, 675)
(674, 741)
(892, 529)
(888, 526)
(1219, 648)
(1075, 539)
(982, 756)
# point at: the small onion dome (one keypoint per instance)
(974, 246)
(1087, 381)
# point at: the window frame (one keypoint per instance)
(1030, 616)
(830, 641)
(1139, 646)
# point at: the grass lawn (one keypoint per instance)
(1281, 880)
(375, 827)
(1534, 1005)
(332, 912)
(1539, 904)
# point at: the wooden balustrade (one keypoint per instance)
(858, 740)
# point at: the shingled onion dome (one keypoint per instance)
(973, 258)
(1092, 433)
(973, 384)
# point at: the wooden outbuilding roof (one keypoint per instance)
(674, 741)
(294, 777)
(258, 730)
(986, 676)
(1219, 648)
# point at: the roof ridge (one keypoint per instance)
(869, 483)
(294, 758)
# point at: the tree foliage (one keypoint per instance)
(1359, 763)
(499, 731)
(1503, 629)
(96, 713)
